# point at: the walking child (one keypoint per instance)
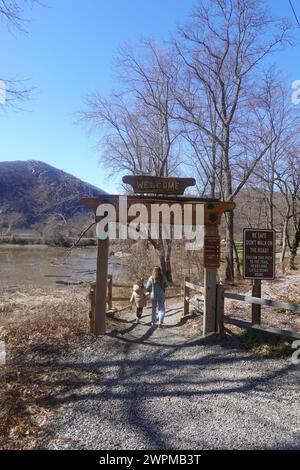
(156, 285)
(139, 297)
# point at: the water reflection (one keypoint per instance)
(42, 266)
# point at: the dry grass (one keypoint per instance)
(37, 326)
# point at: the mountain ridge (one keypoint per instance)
(37, 190)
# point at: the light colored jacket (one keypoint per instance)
(157, 289)
(139, 296)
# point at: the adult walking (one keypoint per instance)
(156, 285)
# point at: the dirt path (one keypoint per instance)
(154, 389)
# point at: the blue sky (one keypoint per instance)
(68, 52)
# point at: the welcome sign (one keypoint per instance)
(157, 185)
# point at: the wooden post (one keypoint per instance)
(256, 309)
(109, 292)
(101, 286)
(220, 308)
(92, 302)
(186, 293)
(210, 290)
(210, 297)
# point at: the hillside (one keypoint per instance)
(37, 190)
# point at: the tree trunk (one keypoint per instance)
(237, 261)
(283, 247)
(294, 248)
(229, 271)
(164, 254)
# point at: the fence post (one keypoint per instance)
(186, 293)
(256, 309)
(220, 309)
(101, 286)
(92, 304)
(109, 291)
(210, 298)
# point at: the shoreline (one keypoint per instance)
(14, 240)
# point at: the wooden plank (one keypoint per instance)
(199, 304)
(186, 306)
(212, 213)
(157, 185)
(109, 292)
(92, 305)
(199, 298)
(101, 287)
(210, 283)
(93, 203)
(267, 302)
(120, 299)
(256, 308)
(220, 308)
(122, 284)
(275, 331)
(210, 290)
(196, 287)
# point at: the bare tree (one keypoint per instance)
(13, 13)
(289, 184)
(221, 49)
(140, 134)
(284, 122)
(13, 16)
(13, 220)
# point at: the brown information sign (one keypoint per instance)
(212, 252)
(259, 254)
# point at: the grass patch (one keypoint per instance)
(38, 326)
(265, 344)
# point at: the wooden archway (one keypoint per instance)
(154, 190)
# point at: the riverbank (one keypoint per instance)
(42, 266)
(30, 241)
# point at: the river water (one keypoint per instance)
(43, 266)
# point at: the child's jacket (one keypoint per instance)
(139, 296)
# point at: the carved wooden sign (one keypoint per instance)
(158, 185)
(212, 210)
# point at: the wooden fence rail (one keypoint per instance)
(275, 331)
(110, 298)
(256, 301)
(221, 318)
(186, 295)
(259, 301)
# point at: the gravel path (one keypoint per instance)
(153, 389)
